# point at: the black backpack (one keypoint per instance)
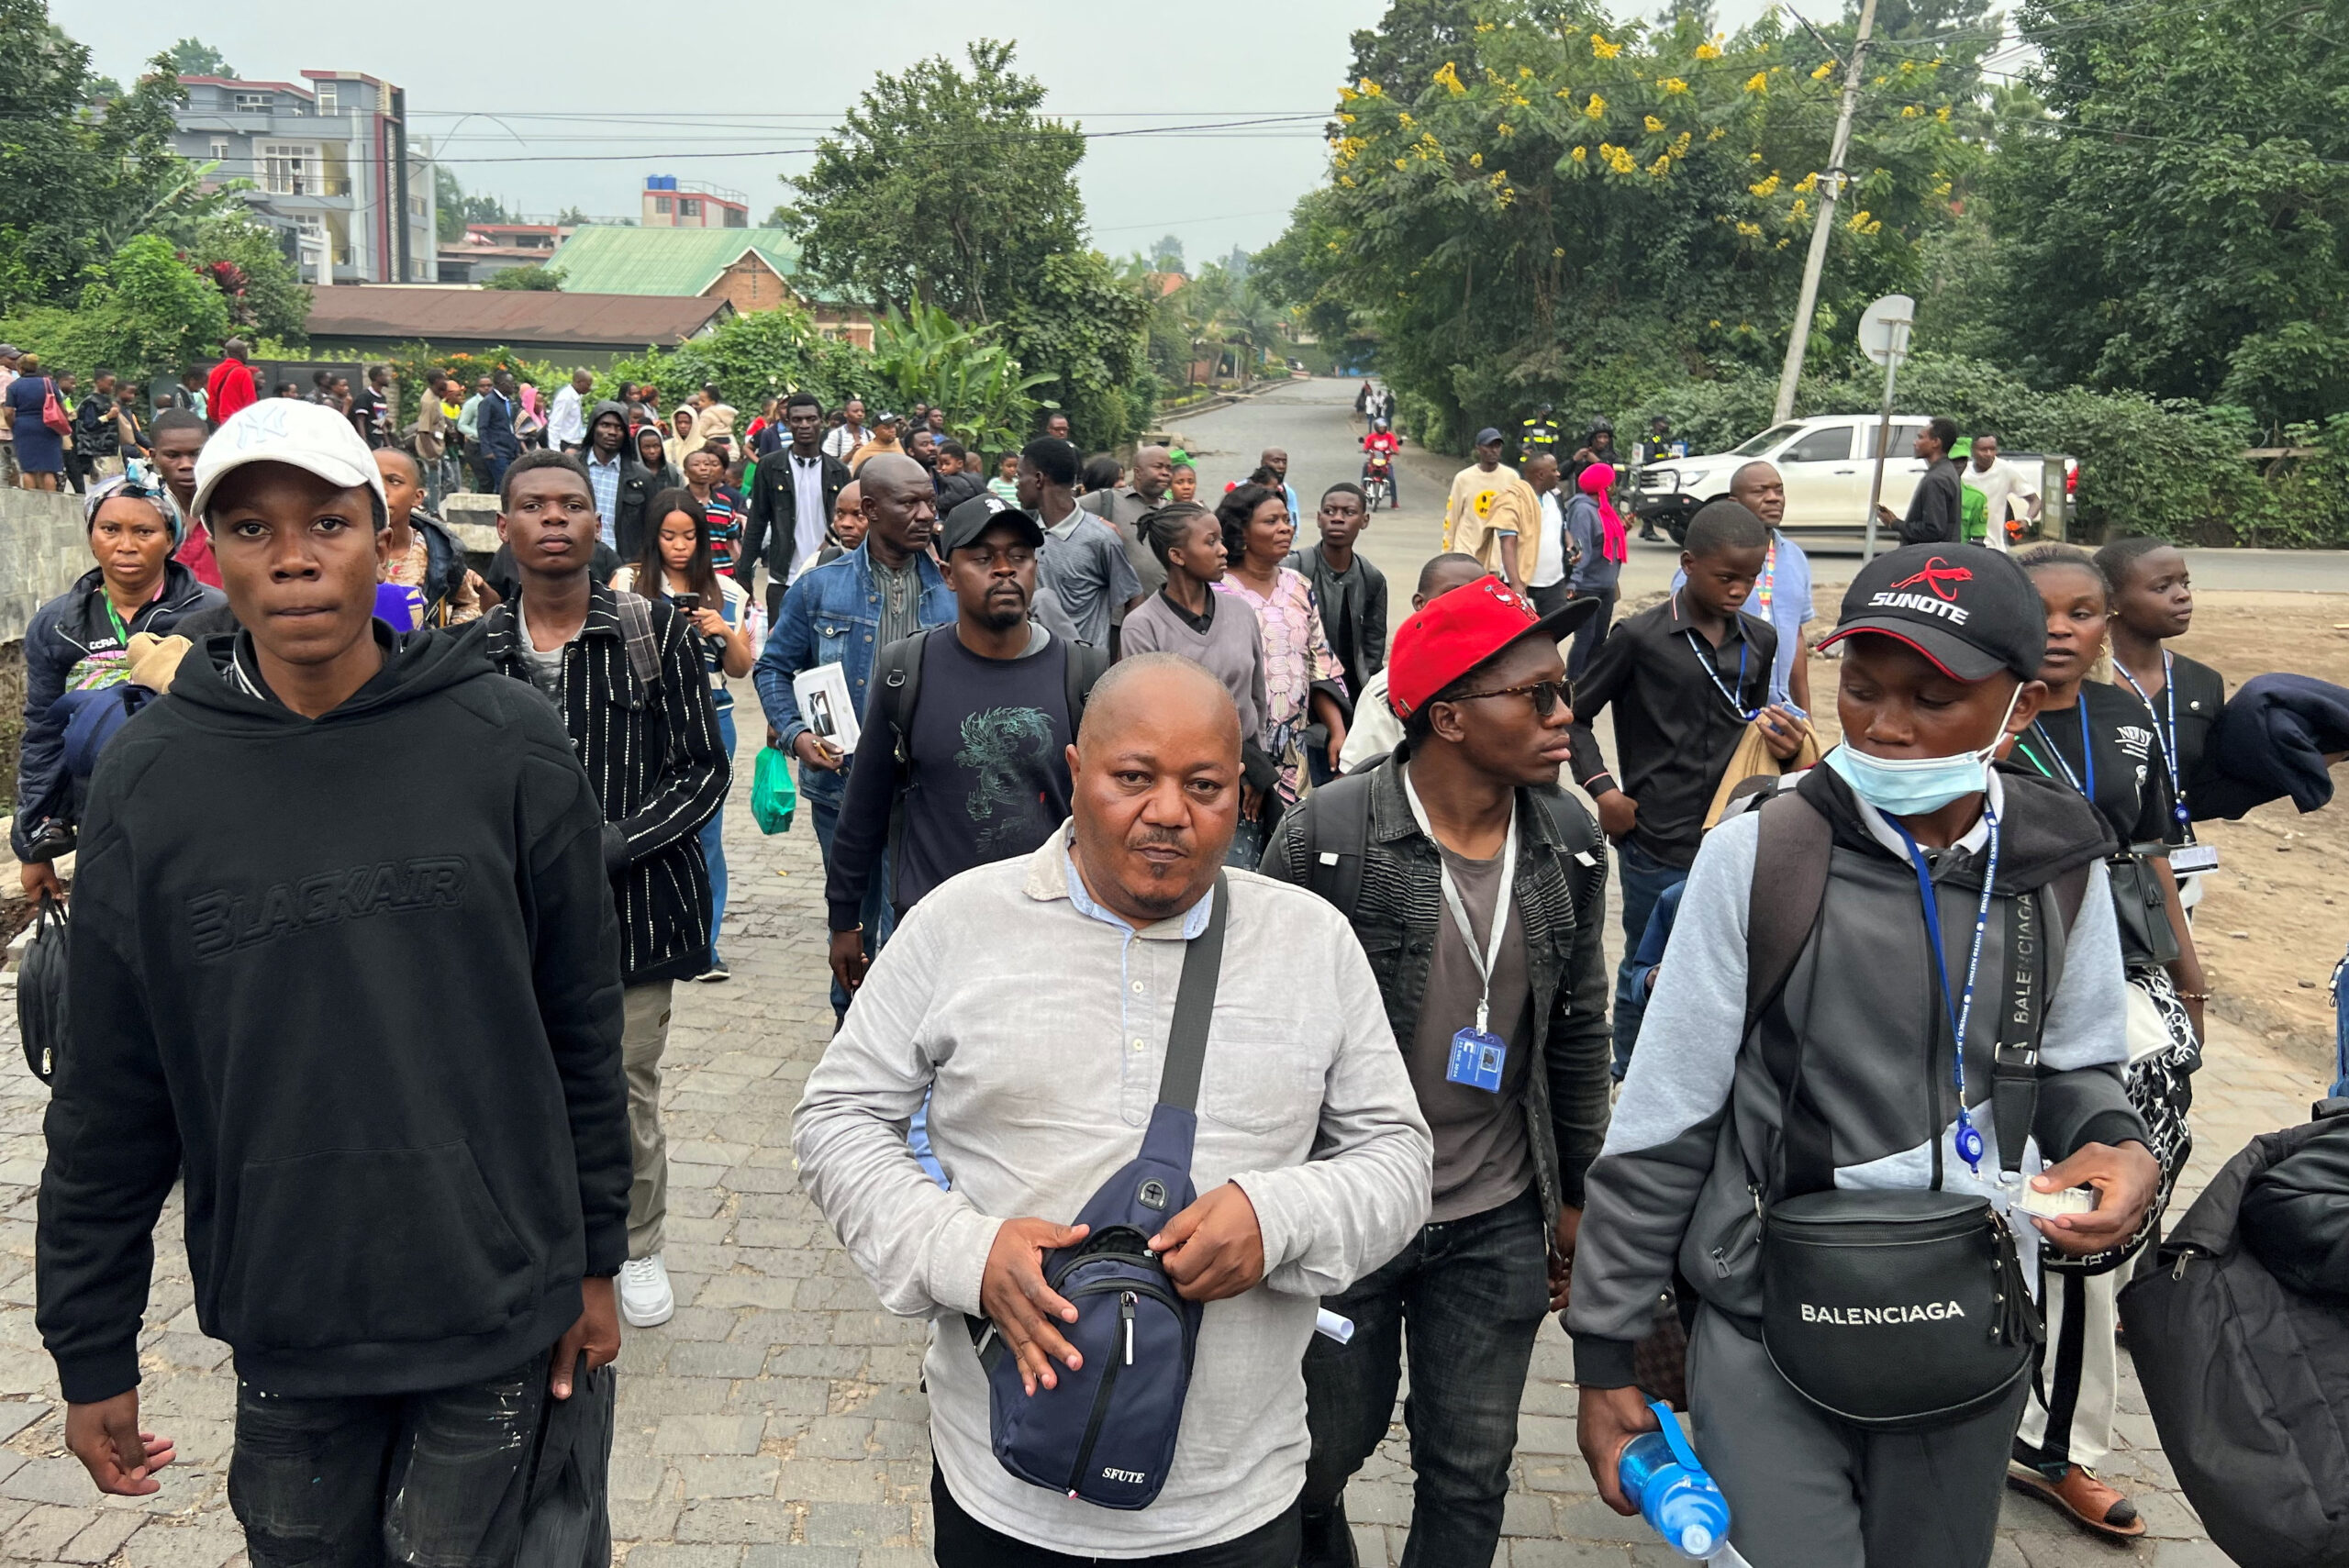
(2248, 1380)
(40, 989)
(1336, 828)
(897, 674)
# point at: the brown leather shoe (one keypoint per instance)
(2092, 1504)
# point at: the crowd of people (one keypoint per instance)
(1308, 918)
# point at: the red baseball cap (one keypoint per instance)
(1460, 631)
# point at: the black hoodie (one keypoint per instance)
(360, 977)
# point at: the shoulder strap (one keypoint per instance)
(1084, 665)
(1789, 885)
(1337, 837)
(2071, 890)
(1186, 1042)
(1585, 848)
(899, 676)
(643, 647)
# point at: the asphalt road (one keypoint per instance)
(1313, 421)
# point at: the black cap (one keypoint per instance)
(969, 519)
(1972, 611)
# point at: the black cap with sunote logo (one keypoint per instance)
(1972, 611)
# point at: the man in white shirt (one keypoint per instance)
(851, 433)
(566, 428)
(1547, 585)
(1312, 1157)
(2000, 483)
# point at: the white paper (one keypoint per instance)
(824, 704)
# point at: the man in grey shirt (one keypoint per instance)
(1084, 563)
(1124, 507)
(1311, 1153)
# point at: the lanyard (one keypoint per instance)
(1766, 590)
(1960, 1007)
(1696, 646)
(1491, 956)
(2166, 730)
(2088, 755)
(121, 631)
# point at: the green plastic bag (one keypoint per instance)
(774, 797)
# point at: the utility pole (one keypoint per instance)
(1832, 188)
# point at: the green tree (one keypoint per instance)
(1081, 325)
(530, 279)
(265, 297)
(924, 356)
(75, 187)
(943, 186)
(454, 207)
(768, 353)
(193, 57)
(1570, 208)
(1167, 254)
(2181, 223)
(144, 311)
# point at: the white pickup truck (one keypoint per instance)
(1827, 463)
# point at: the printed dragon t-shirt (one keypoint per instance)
(989, 779)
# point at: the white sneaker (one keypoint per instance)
(646, 1299)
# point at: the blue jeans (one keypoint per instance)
(877, 917)
(1643, 879)
(1474, 1292)
(713, 841)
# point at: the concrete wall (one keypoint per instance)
(43, 548)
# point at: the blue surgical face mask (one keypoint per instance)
(1910, 787)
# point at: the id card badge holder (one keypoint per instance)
(2189, 859)
(1478, 1057)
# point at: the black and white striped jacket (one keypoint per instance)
(659, 769)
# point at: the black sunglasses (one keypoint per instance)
(1547, 695)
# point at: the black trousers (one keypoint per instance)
(964, 1543)
(434, 1479)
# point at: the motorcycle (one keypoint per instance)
(1378, 481)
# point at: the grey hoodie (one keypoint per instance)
(1670, 1186)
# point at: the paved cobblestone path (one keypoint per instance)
(778, 1420)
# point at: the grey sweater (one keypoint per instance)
(1232, 648)
(1039, 1024)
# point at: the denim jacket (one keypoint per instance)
(1396, 916)
(832, 615)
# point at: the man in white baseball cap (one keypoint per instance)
(402, 1216)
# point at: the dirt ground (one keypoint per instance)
(2275, 915)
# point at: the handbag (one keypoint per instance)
(1107, 1434)
(774, 797)
(2146, 936)
(1889, 1309)
(40, 989)
(52, 412)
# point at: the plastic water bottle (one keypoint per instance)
(1659, 1472)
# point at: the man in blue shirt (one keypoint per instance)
(841, 613)
(499, 444)
(1782, 593)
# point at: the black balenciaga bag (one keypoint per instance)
(1885, 1308)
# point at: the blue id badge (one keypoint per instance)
(1477, 1059)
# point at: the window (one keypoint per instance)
(253, 103)
(219, 150)
(1762, 443)
(291, 169)
(689, 208)
(326, 99)
(1900, 443)
(663, 205)
(1830, 445)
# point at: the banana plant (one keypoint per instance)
(924, 355)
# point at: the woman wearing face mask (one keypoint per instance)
(2093, 737)
(1877, 915)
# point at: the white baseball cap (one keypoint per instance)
(309, 436)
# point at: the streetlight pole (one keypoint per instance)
(1832, 187)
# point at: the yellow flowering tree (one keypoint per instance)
(1551, 202)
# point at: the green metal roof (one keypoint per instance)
(679, 262)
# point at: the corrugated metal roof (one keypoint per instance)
(614, 259)
(510, 316)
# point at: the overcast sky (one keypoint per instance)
(722, 96)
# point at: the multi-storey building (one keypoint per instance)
(331, 169)
(670, 203)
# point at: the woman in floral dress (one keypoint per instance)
(1304, 685)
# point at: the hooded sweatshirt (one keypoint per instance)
(360, 978)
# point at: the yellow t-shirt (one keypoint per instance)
(1485, 506)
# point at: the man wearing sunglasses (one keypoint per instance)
(1478, 890)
